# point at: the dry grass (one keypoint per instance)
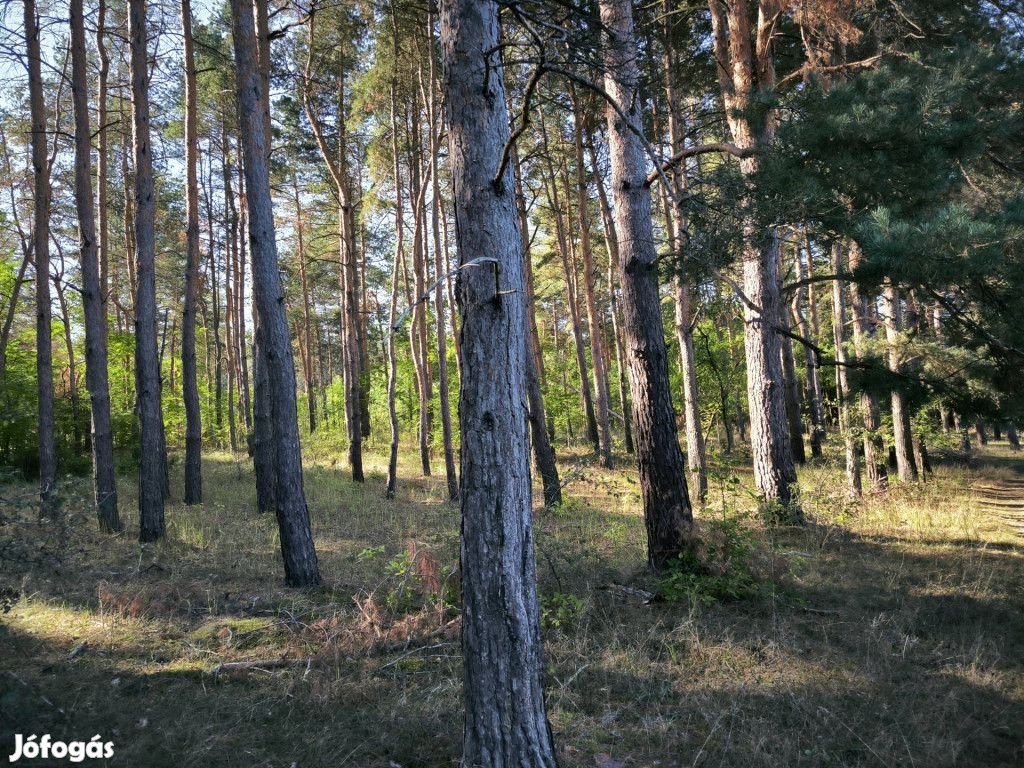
(890, 633)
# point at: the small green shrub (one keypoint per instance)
(721, 567)
(560, 610)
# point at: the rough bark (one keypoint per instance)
(745, 68)
(147, 361)
(505, 720)
(189, 372)
(300, 561)
(41, 253)
(667, 511)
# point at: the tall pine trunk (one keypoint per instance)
(597, 356)
(744, 59)
(147, 360)
(667, 511)
(505, 720)
(299, 554)
(189, 373)
(676, 219)
(41, 252)
(543, 452)
(93, 303)
(612, 247)
(434, 127)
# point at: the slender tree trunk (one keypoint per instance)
(792, 387)
(101, 164)
(152, 460)
(392, 477)
(853, 483)
(299, 554)
(189, 374)
(586, 398)
(231, 246)
(69, 346)
(1013, 437)
(667, 510)
(874, 447)
(676, 219)
(434, 127)
(543, 452)
(241, 356)
(229, 321)
(597, 355)
(813, 380)
(505, 720)
(307, 358)
(417, 328)
(41, 251)
(902, 441)
(612, 246)
(12, 308)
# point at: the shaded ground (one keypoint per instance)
(887, 634)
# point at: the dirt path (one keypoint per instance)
(1004, 499)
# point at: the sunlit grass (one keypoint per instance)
(880, 620)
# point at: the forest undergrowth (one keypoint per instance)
(889, 632)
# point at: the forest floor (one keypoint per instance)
(887, 634)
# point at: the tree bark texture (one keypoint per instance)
(667, 511)
(505, 721)
(300, 561)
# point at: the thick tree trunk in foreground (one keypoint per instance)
(147, 358)
(505, 721)
(41, 254)
(104, 482)
(300, 562)
(667, 511)
(189, 373)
